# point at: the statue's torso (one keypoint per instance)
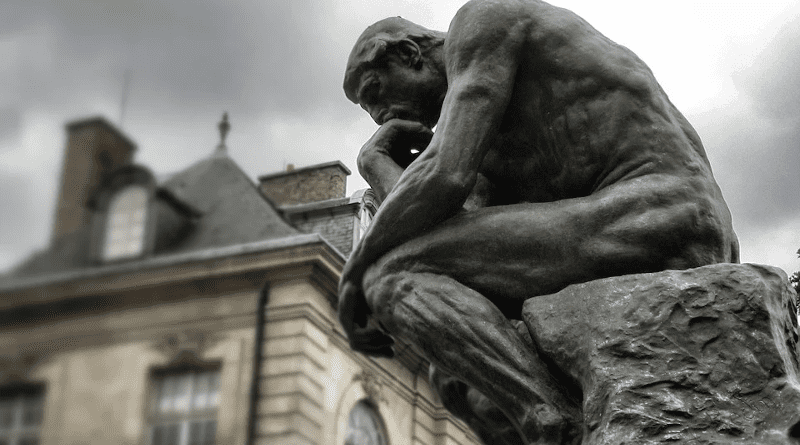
(585, 113)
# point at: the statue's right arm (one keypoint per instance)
(482, 54)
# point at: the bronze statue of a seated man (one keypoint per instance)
(557, 159)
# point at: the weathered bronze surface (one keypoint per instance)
(557, 159)
(705, 355)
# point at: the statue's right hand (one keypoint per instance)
(401, 140)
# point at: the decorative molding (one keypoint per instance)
(402, 389)
(272, 259)
(185, 348)
(372, 384)
(305, 311)
(17, 368)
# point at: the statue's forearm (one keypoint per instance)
(385, 156)
(381, 173)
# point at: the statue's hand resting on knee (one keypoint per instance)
(364, 337)
(381, 162)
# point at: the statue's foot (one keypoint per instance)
(551, 427)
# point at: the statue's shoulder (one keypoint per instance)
(491, 13)
(488, 22)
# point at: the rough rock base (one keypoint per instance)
(700, 356)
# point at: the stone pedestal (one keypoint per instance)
(700, 356)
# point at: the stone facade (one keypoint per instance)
(94, 149)
(95, 339)
(336, 226)
(305, 185)
(311, 380)
(341, 221)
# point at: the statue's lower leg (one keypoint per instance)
(464, 334)
(476, 410)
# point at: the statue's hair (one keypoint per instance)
(381, 39)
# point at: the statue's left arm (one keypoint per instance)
(482, 54)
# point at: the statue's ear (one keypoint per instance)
(409, 52)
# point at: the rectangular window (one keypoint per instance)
(183, 408)
(21, 414)
(125, 224)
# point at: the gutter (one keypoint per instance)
(255, 385)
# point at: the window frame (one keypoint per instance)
(155, 418)
(132, 223)
(18, 395)
(371, 411)
(363, 220)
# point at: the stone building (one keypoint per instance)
(198, 309)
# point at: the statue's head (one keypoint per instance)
(400, 42)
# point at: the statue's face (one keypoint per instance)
(404, 92)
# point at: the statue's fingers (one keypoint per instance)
(386, 351)
(372, 342)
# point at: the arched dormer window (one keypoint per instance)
(364, 426)
(125, 223)
(364, 221)
(367, 207)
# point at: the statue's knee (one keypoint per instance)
(703, 236)
(390, 296)
(381, 289)
(384, 274)
(372, 277)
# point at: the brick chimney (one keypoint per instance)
(94, 149)
(304, 185)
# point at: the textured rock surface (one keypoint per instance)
(706, 355)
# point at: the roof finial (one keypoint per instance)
(224, 127)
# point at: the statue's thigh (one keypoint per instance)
(655, 223)
(501, 252)
(513, 252)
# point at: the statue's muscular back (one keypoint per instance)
(585, 113)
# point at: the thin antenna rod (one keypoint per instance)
(126, 80)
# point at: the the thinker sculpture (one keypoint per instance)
(557, 159)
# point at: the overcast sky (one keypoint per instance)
(276, 67)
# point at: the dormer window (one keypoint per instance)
(364, 221)
(367, 206)
(125, 223)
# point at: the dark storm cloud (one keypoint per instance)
(187, 61)
(764, 191)
(19, 213)
(774, 82)
(258, 55)
(10, 123)
(757, 152)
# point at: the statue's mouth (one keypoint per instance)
(385, 116)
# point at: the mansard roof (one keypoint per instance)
(231, 208)
(208, 205)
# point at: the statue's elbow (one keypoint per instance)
(454, 187)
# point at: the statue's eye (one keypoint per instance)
(369, 92)
(375, 88)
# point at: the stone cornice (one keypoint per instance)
(306, 169)
(278, 260)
